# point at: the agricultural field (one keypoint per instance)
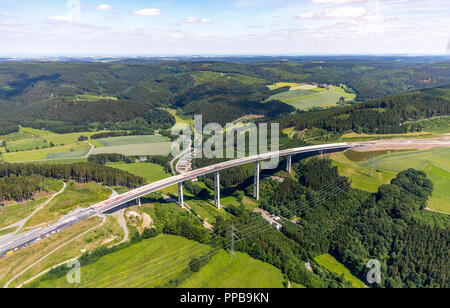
(65, 151)
(241, 271)
(304, 97)
(435, 163)
(30, 138)
(146, 264)
(135, 145)
(150, 172)
(129, 140)
(31, 144)
(153, 149)
(293, 85)
(331, 264)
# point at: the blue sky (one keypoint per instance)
(224, 27)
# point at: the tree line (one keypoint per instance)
(382, 116)
(80, 172)
(20, 188)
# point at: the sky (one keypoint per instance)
(223, 27)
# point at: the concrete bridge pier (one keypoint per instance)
(217, 190)
(180, 195)
(256, 180)
(138, 201)
(289, 164)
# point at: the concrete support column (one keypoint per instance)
(256, 180)
(289, 164)
(217, 190)
(180, 195)
(138, 201)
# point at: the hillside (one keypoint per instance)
(42, 94)
(382, 116)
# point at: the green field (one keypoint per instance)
(435, 163)
(42, 153)
(242, 271)
(26, 144)
(150, 172)
(128, 140)
(441, 192)
(306, 99)
(68, 155)
(135, 145)
(31, 139)
(331, 264)
(143, 265)
(154, 149)
(31, 144)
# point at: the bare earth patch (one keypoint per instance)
(401, 144)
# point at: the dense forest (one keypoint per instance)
(8, 128)
(19, 188)
(80, 172)
(43, 94)
(383, 116)
(356, 226)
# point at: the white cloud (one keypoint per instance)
(6, 15)
(195, 20)
(148, 12)
(345, 12)
(337, 1)
(340, 12)
(104, 7)
(61, 18)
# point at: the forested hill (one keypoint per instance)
(384, 115)
(223, 91)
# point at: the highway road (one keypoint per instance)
(20, 241)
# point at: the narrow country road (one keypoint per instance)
(90, 151)
(184, 152)
(120, 218)
(21, 224)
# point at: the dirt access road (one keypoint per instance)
(401, 144)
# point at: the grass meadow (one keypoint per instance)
(144, 265)
(435, 163)
(331, 264)
(303, 97)
(241, 271)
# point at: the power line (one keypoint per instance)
(244, 235)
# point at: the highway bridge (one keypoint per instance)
(12, 244)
